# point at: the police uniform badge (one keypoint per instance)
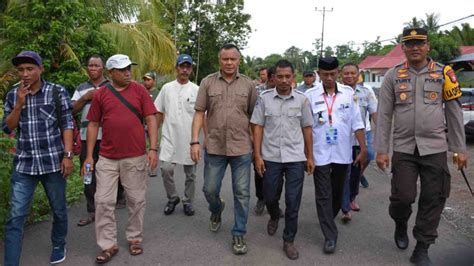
(434, 75)
(403, 96)
(451, 89)
(402, 75)
(356, 98)
(403, 87)
(433, 95)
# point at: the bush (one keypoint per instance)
(40, 207)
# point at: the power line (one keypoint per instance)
(324, 10)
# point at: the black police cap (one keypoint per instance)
(328, 63)
(414, 34)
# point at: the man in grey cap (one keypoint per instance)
(175, 105)
(41, 111)
(120, 107)
(309, 77)
(336, 116)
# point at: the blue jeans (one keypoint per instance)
(272, 183)
(369, 137)
(351, 184)
(214, 170)
(22, 190)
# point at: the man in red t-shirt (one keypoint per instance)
(122, 154)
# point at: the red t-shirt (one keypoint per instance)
(123, 135)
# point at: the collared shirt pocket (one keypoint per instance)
(403, 94)
(294, 116)
(432, 94)
(190, 103)
(215, 98)
(241, 99)
(320, 116)
(47, 116)
(272, 117)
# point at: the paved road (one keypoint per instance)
(182, 240)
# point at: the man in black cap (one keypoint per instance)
(309, 77)
(44, 152)
(422, 97)
(149, 81)
(335, 117)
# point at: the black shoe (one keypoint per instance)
(329, 246)
(259, 207)
(170, 206)
(272, 226)
(420, 255)
(401, 236)
(188, 209)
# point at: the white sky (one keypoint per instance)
(280, 24)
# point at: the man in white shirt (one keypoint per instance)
(335, 117)
(175, 105)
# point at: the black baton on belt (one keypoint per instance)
(467, 182)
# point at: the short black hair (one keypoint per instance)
(229, 46)
(283, 63)
(262, 68)
(96, 56)
(350, 64)
(271, 71)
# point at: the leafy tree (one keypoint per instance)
(443, 47)
(463, 35)
(62, 32)
(203, 27)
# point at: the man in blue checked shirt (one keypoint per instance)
(44, 152)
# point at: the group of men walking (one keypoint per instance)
(318, 128)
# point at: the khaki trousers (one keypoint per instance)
(132, 175)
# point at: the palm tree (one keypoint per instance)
(463, 35)
(431, 23)
(134, 26)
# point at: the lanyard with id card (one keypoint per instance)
(331, 132)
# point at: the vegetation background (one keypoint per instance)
(152, 33)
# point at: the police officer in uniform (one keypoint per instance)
(413, 95)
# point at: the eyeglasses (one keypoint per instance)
(413, 43)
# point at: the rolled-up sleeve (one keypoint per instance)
(7, 109)
(66, 109)
(201, 99)
(372, 101)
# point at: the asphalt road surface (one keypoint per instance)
(181, 240)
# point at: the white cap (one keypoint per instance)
(118, 61)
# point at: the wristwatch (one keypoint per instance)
(68, 154)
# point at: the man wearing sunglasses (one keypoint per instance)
(422, 97)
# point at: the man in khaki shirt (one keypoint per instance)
(227, 99)
(422, 97)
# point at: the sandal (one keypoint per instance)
(86, 221)
(135, 247)
(106, 255)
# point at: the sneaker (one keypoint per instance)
(239, 246)
(346, 217)
(216, 218)
(259, 207)
(354, 206)
(58, 255)
(364, 182)
(188, 209)
(170, 206)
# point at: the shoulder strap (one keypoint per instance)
(125, 102)
(57, 103)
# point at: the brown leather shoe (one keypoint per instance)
(290, 250)
(272, 226)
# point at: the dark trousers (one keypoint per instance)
(258, 186)
(329, 185)
(272, 186)
(434, 190)
(89, 190)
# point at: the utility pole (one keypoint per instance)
(324, 10)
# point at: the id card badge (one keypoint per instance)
(331, 135)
